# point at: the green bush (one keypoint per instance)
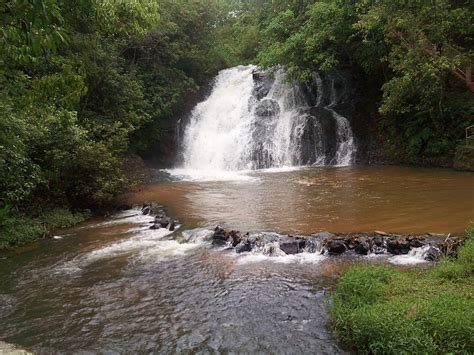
(17, 229)
(379, 310)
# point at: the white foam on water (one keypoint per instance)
(197, 235)
(300, 258)
(283, 169)
(131, 216)
(145, 242)
(147, 238)
(165, 250)
(204, 175)
(414, 256)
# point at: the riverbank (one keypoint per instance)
(379, 309)
(18, 228)
(34, 222)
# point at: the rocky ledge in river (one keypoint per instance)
(337, 244)
(161, 219)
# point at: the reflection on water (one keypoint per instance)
(115, 286)
(349, 199)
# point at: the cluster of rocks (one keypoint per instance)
(248, 242)
(334, 244)
(161, 219)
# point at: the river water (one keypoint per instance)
(112, 285)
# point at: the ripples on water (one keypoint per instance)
(146, 291)
(115, 286)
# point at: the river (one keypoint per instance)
(112, 285)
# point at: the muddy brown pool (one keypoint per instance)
(345, 199)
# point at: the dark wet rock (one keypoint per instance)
(335, 247)
(313, 141)
(351, 243)
(325, 140)
(220, 236)
(147, 209)
(172, 226)
(292, 245)
(398, 246)
(332, 244)
(313, 245)
(243, 246)
(433, 254)
(267, 108)
(363, 247)
(272, 249)
(263, 83)
(150, 208)
(415, 242)
(162, 221)
(234, 237)
(378, 241)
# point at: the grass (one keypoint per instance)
(380, 310)
(17, 229)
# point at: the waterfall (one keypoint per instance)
(255, 120)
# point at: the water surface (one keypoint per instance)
(349, 199)
(112, 285)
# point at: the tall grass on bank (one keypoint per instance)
(380, 310)
(17, 229)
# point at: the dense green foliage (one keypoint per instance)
(18, 228)
(379, 310)
(409, 49)
(85, 82)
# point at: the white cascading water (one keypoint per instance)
(219, 132)
(235, 129)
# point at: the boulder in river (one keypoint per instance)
(162, 221)
(362, 247)
(172, 226)
(335, 247)
(147, 209)
(398, 246)
(415, 241)
(235, 237)
(244, 246)
(378, 240)
(292, 245)
(275, 244)
(150, 208)
(220, 236)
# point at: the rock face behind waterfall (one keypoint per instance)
(259, 119)
(320, 129)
